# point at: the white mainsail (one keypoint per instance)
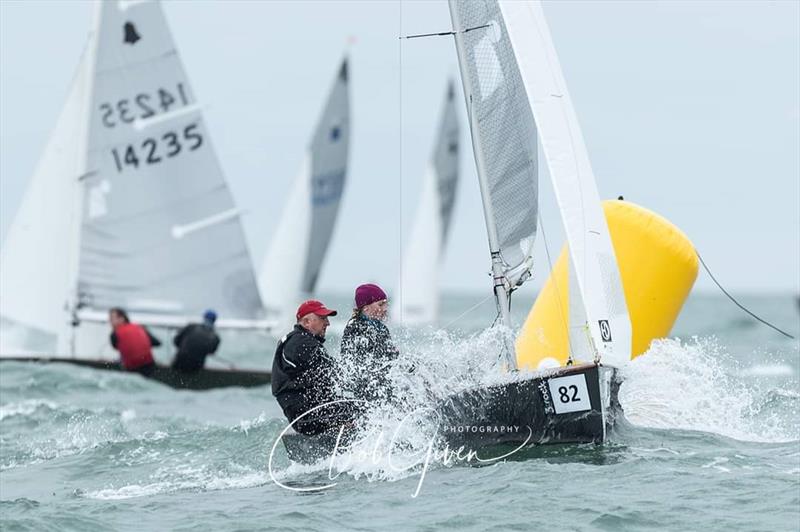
(509, 65)
(294, 259)
(504, 144)
(152, 227)
(419, 275)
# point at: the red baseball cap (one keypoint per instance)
(315, 307)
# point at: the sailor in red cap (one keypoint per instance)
(302, 370)
(368, 352)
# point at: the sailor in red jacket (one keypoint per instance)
(133, 341)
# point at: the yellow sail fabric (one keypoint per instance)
(658, 265)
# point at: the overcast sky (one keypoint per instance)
(688, 108)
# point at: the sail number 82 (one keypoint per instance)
(568, 394)
(153, 151)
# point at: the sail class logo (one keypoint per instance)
(130, 35)
(605, 330)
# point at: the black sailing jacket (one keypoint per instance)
(367, 356)
(194, 342)
(302, 372)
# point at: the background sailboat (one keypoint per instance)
(418, 292)
(297, 251)
(128, 205)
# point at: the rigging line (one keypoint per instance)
(496, 319)
(478, 304)
(442, 33)
(439, 34)
(768, 324)
(555, 283)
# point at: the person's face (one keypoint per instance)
(316, 325)
(115, 319)
(377, 310)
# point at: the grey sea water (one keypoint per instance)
(711, 441)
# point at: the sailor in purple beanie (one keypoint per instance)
(367, 348)
(367, 294)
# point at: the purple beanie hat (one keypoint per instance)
(368, 293)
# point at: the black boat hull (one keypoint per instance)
(204, 379)
(575, 404)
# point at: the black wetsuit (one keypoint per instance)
(367, 356)
(194, 342)
(303, 379)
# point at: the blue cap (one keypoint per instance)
(210, 316)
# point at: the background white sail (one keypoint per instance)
(419, 275)
(294, 259)
(37, 272)
(158, 230)
(591, 250)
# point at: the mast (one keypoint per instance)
(500, 285)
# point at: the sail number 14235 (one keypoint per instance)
(155, 150)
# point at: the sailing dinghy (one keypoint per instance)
(128, 205)
(514, 87)
(293, 262)
(419, 275)
(202, 379)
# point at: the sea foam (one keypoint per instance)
(696, 385)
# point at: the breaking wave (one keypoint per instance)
(696, 385)
(398, 439)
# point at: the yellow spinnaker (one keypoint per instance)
(658, 265)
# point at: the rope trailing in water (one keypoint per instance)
(768, 324)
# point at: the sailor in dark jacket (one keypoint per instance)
(195, 342)
(367, 348)
(303, 373)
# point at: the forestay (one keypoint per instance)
(504, 133)
(419, 274)
(591, 250)
(294, 259)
